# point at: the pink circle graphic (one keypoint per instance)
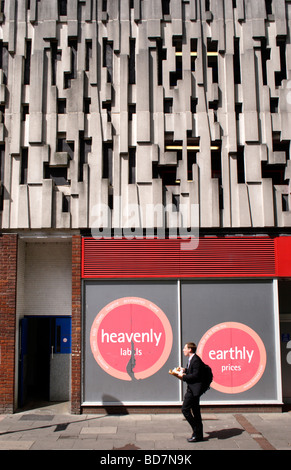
(131, 337)
(236, 355)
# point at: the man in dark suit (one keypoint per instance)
(192, 375)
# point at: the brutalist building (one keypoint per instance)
(145, 201)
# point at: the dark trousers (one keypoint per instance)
(191, 411)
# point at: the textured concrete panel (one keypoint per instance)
(139, 102)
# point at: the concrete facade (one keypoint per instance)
(145, 102)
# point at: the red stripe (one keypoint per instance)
(214, 257)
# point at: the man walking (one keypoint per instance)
(193, 376)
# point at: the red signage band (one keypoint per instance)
(235, 257)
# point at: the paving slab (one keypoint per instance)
(99, 430)
(158, 436)
(16, 445)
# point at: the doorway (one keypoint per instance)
(44, 360)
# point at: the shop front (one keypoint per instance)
(144, 299)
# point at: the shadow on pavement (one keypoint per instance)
(223, 433)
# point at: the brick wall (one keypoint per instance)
(76, 326)
(8, 277)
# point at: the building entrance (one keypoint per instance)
(44, 359)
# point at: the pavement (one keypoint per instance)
(53, 427)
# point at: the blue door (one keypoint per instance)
(62, 335)
(60, 359)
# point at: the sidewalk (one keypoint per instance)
(54, 428)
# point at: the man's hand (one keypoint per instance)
(177, 372)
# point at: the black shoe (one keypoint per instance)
(195, 439)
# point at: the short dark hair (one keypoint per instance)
(192, 346)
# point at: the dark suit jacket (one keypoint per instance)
(194, 375)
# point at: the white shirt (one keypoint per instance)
(190, 357)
